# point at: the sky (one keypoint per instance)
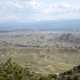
(38, 10)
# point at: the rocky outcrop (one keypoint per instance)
(73, 74)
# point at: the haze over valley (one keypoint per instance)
(39, 39)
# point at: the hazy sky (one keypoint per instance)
(29, 10)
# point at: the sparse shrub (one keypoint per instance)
(12, 71)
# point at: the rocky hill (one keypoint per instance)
(73, 74)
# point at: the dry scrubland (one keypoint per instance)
(43, 52)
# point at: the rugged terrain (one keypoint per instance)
(44, 52)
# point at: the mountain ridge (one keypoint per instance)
(63, 25)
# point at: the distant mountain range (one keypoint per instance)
(62, 25)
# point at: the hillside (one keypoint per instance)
(13, 71)
(73, 74)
